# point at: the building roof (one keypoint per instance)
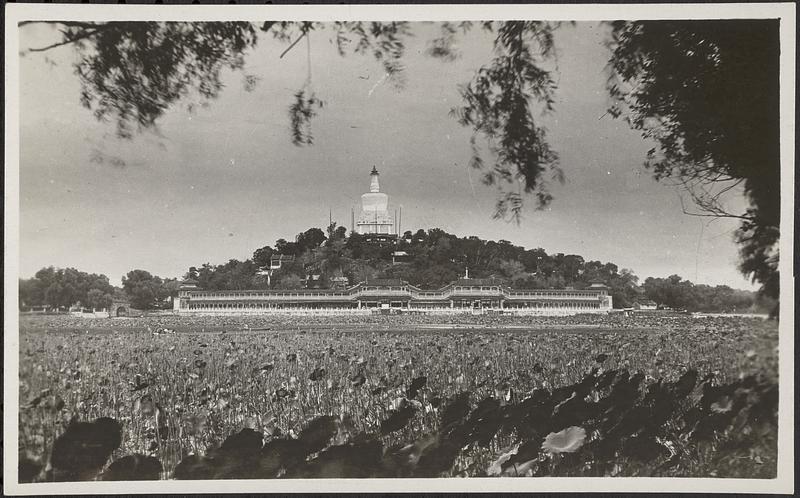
(385, 282)
(188, 284)
(481, 282)
(374, 235)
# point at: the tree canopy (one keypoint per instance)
(436, 258)
(147, 291)
(64, 287)
(708, 93)
(705, 91)
(677, 293)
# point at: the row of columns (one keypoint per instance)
(501, 305)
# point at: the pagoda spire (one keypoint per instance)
(374, 186)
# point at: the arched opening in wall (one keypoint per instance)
(122, 311)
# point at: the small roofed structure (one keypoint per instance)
(277, 260)
(188, 284)
(185, 288)
(340, 282)
(646, 305)
(399, 256)
(480, 282)
(385, 282)
(313, 281)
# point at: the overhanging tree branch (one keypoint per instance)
(73, 39)
(70, 24)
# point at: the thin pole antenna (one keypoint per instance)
(697, 252)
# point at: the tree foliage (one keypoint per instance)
(65, 287)
(132, 72)
(147, 291)
(499, 106)
(707, 92)
(676, 293)
(97, 299)
(436, 258)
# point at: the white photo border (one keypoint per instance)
(14, 13)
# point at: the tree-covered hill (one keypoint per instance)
(427, 259)
(433, 258)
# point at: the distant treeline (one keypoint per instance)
(430, 259)
(64, 288)
(61, 288)
(677, 293)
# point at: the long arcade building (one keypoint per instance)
(466, 295)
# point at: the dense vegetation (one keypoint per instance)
(433, 259)
(436, 258)
(59, 288)
(65, 287)
(648, 396)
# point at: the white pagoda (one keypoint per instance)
(374, 217)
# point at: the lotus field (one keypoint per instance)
(300, 397)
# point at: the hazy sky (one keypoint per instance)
(225, 180)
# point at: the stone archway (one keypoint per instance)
(121, 311)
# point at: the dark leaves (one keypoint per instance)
(318, 433)
(416, 384)
(194, 467)
(497, 105)
(350, 461)
(625, 419)
(397, 419)
(29, 468)
(301, 112)
(134, 467)
(317, 374)
(236, 458)
(244, 443)
(384, 40)
(685, 384)
(643, 448)
(134, 71)
(437, 458)
(456, 410)
(84, 448)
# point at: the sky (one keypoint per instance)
(222, 180)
